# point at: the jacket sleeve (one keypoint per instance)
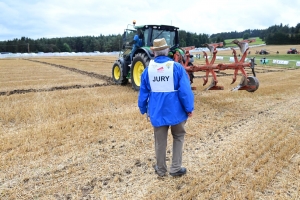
(143, 93)
(136, 40)
(185, 93)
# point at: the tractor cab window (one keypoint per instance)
(129, 34)
(124, 36)
(146, 34)
(168, 35)
(141, 35)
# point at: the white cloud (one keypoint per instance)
(55, 18)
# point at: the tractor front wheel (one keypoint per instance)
(117, 74)
(139, 63)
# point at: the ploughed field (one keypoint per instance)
(68, 132)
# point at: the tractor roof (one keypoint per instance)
(163, 27)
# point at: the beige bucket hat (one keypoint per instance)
(159, 44)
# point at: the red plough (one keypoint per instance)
(248, 83)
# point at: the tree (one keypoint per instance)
(78, 44)
(66, 48)
(60, 45)
(182, 43)
(246, 36)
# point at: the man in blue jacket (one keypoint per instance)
(137, 42)
(166, 97)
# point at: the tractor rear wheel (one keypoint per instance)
(117, 74)
(139, 63)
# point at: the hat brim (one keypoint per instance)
(159, 48)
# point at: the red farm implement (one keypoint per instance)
(248, 83)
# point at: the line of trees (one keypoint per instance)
(192, 39)
(274, 35)
(86, 43)
(67, 44)
(277, 34)
(246, 34)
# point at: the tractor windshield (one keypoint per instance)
(168, 35)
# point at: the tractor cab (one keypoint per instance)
(147, 34)
(152, 32)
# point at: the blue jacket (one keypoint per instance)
(167, 108)
(137, 42)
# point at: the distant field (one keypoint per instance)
(68, 132)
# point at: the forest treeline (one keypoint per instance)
(277, 34)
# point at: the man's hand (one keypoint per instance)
(190, 114)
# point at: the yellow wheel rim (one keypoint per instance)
(117, 73)
(137, 72)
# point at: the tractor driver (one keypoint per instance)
(137, 42)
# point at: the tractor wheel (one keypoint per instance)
(139, 63)
(117, 74)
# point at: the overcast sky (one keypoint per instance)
(63, 18)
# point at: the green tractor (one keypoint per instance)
(128, 67)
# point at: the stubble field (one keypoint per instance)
(68, 132)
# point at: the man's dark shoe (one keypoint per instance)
(156, 169)
(181, 172)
